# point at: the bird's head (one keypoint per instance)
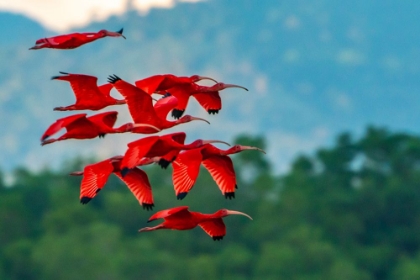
(188, 118)
(225, 212)
(197, 78)
(239, 148)
(222, 86)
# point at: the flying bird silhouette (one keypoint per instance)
(88, 95)
(96, 175)
(74, 40)
(180, 218)
(186, 167)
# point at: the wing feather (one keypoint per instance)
(222, 171)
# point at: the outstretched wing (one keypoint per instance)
(164, 105)
(138, 183)
(106, 118)
(139, 103)
(84, 87)
(221, 169)
(215, 228)
(150, 84)
(61, 123)
(180, 210)
(182, 93)
(137, 150)
(105, 89)
(185, 171)
(94, 179)
(210, 101)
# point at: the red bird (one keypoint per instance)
(159, 83)
(207, 96)
(81, 127)
(166, 147)
(88, 95)
(179, 218)
(142, 110)
(187, 166)
(96, 175)
(74, 40)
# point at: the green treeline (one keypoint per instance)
(351, 211)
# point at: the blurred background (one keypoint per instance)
(333, 98)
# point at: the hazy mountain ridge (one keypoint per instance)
(313, 69)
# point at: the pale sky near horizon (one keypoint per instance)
(62, 15)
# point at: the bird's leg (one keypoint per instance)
(67, 108)
(49, 141)
(152, 228)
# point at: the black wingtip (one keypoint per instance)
(113, 79)
(181, 196)
(213, 111)
(102, 135)
(64, 73)
(176, 114)
(55, 77)
(164, 163)
(236, 186)
(229, 195)
(125, 171)
(148, 206)
(167, 94)
(85, 199)
(217, 238)
(120, 31)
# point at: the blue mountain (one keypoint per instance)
(313, 68)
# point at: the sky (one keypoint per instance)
(62, 15)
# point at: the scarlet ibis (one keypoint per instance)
(207, 96)
(74, 40)
(79, 126)
(180, 218)
(186, 167)
(165, 146)
(88, 95)
(96, 175)
(142, 110)
(158, 83)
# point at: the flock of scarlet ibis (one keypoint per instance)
(149, 116)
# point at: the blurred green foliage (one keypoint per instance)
(351, 211)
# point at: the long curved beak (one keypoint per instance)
(199, 119)
(234, 86)
(232, 212)
(253, 148)
(215, 141)
(146, 125)
(199, 78)
(76, 173)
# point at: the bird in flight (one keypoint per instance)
(79, 126)
(88, 95)
(207, 96)
(96, 175)
(180, 218)
(162, 83)
(142, 110)
(74, 40)
(186, 167)
(167, 147)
